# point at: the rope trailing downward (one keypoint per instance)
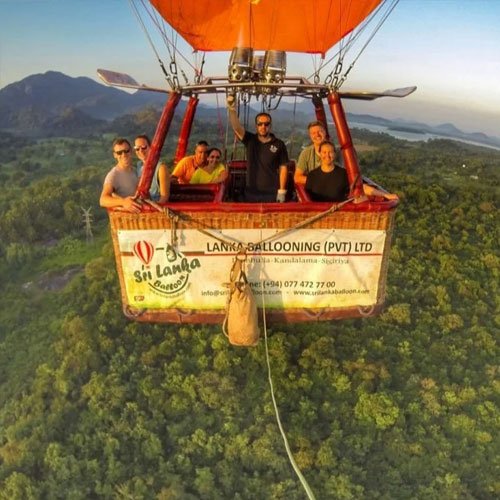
(298, 472)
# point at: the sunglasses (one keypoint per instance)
(215, 157)
(141, 148)
(263, 124)
(122, 151)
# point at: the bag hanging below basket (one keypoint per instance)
(241, 324)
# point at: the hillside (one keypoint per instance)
(403, 406)
(36, 101)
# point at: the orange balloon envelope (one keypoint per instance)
(311, 26)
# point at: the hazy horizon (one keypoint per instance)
(447, 48)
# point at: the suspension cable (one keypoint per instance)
(294, 125)
(370, 38)
(346, 46)
(160, 62)
(159, 22)
(170, 44)
(199, 68)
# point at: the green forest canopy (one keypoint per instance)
(400, 406)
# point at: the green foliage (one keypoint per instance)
(377, 409)
(400, 406)
(50, 208)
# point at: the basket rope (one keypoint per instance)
(203, 228)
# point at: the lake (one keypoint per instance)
(414, 136)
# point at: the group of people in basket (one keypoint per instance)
(266, 173)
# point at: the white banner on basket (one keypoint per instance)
(306, 268)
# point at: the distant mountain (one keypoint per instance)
(369, 119)
(447, 128)
(52, 103)
(38, 101)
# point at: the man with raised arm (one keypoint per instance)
(267, 158)
(120, 183)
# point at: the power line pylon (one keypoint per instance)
(87, 218)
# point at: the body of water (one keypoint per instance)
(413, 136)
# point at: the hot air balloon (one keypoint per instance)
(306, 260)
(144, 251)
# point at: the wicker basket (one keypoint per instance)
(223, 216)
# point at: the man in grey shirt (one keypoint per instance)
(309, 157)
(120, 183)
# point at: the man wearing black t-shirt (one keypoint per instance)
(329, 181)
(267, 156)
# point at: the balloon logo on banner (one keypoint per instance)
(144, 251)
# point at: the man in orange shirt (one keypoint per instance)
(184, 170)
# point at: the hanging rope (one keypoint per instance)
(235, 140)
(220, 123)
(206, 230)
(298, 472)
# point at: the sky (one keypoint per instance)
(449, 49)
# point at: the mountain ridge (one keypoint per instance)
(49, 94)
(52, 103)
